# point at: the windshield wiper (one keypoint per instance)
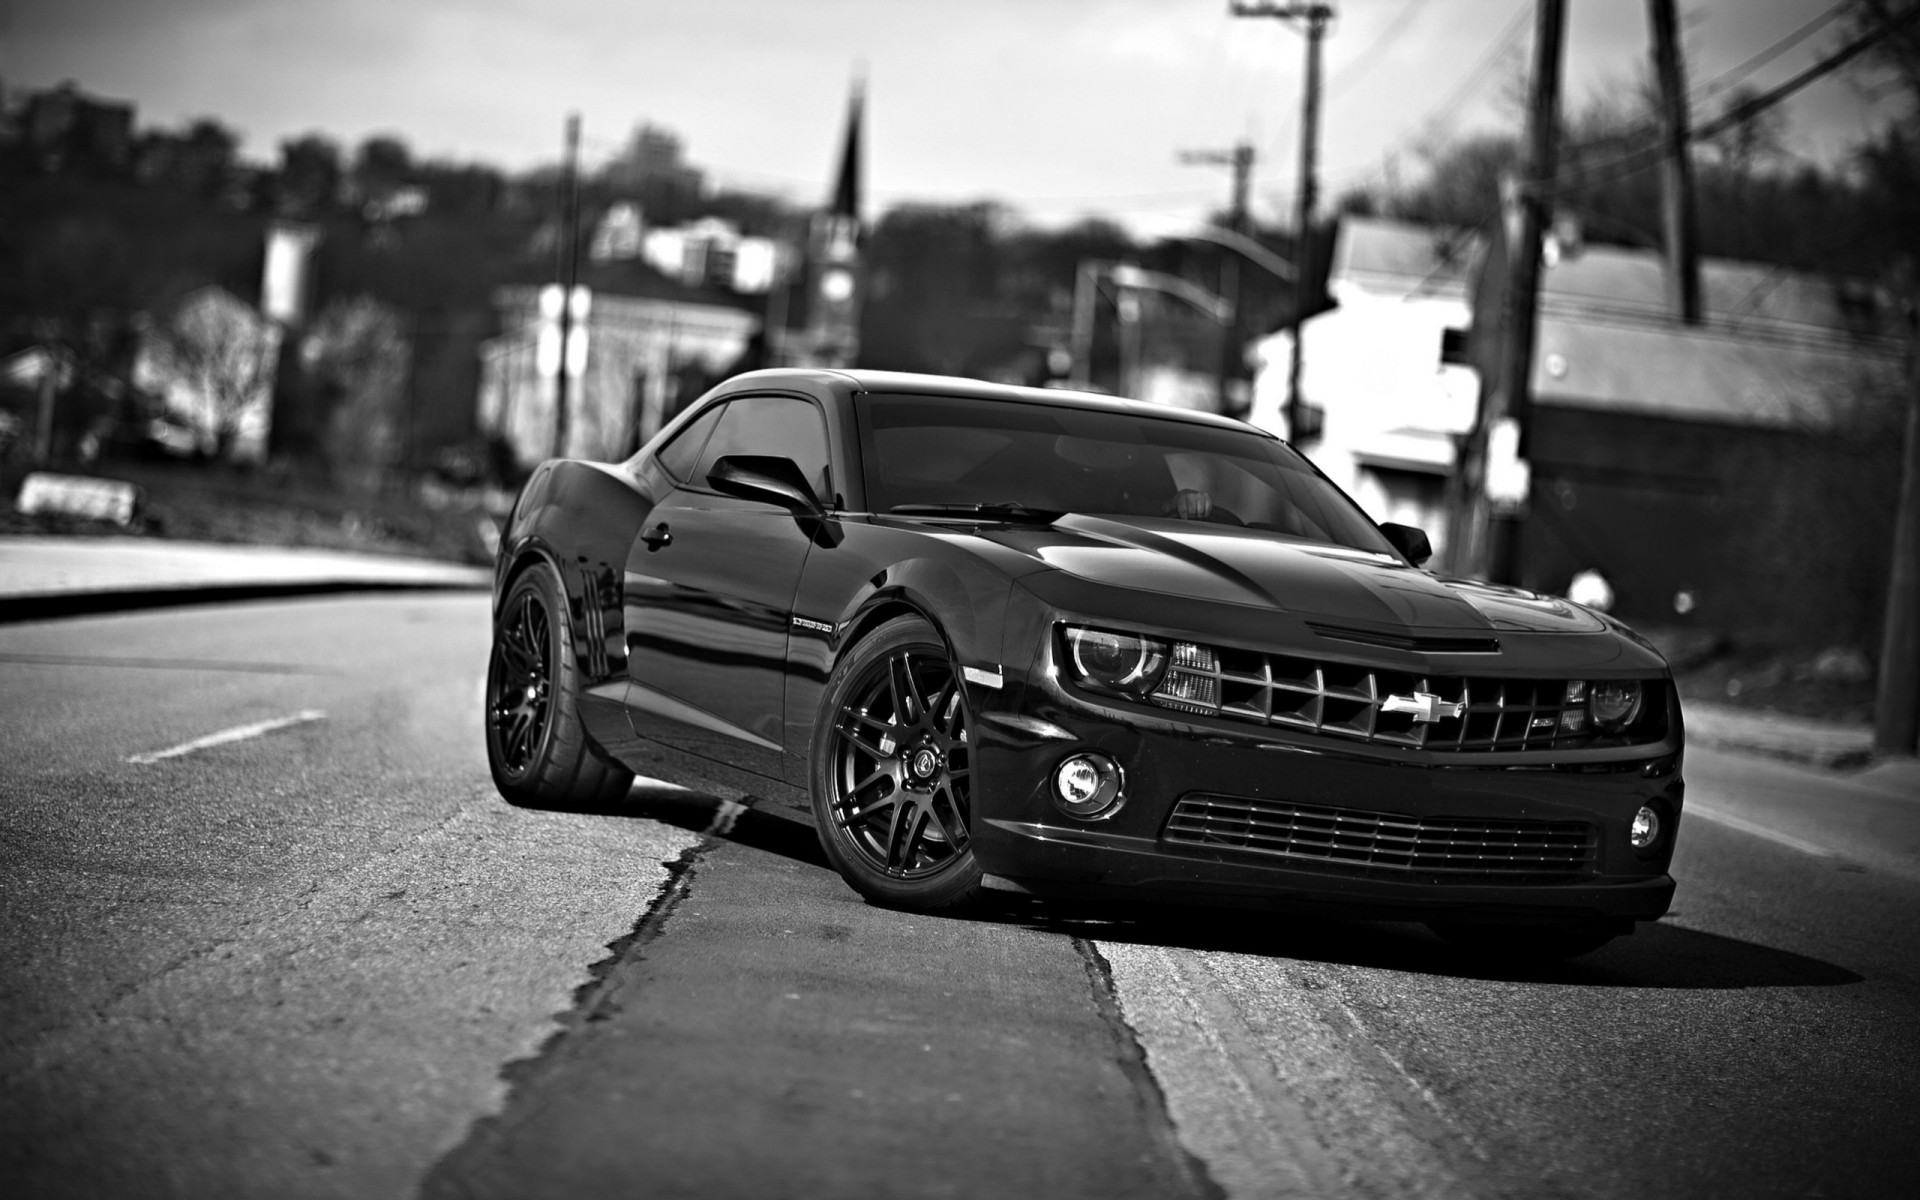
(998, 512)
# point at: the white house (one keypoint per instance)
(1376, 366)
(629, 355)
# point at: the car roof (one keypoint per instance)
(910, 383)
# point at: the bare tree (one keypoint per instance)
(224, 352)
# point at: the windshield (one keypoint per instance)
(939, 450)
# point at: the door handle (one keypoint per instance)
(657, 537)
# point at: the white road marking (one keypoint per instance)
(239, 733)
(1721, 816)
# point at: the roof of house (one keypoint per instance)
(1401, 258)
(1777, 347)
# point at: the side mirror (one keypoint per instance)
(1410, 542)
(766, 477)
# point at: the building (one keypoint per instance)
(1386, 368)
(1662, 455)
(644, 346)
(65, 129)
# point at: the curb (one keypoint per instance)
(53, 606)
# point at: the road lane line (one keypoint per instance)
(1721, 816)
(239, 733)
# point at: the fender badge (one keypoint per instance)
(817, 626)
(984, 678)
(1425, 707)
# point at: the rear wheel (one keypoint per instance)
(892, 771)
(537, 747)
(1525, 943)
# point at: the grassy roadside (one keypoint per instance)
(194, 502)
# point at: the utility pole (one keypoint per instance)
(569, 277)
(1676, 185)
(1512, 398)
(1240, 159)
(1896, 707)
(1314, 18)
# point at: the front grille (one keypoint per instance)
(1460, 849)
(1348, 701)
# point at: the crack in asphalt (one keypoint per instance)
(1132, 1059)
(598, 999)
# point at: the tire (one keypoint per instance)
(1524, 943)
(537, 747)
(892, 771)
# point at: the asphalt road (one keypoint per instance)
(322, 958)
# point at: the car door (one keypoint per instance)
(709, 593)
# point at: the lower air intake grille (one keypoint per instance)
(1344, 839)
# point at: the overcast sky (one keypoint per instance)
(1058, 107)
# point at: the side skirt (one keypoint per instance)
(603, 711)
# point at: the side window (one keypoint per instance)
(778, 425)
(679, 455)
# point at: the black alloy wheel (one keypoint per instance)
(537, 748)
(893, 771)
(520, 684)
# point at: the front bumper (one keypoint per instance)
(1025, 843)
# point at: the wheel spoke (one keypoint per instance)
(518, 742)
(914, 693)
(871, 750)
(901, 688)
(857, 814)
(903, 839)
(952, 821)
(938, 707)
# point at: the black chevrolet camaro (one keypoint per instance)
(997, 638)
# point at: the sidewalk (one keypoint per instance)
(43, 577)
(1822, 743)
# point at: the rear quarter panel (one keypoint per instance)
(581, 518)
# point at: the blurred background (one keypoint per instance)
(341, 274)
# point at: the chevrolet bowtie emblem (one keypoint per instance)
(1425, 706)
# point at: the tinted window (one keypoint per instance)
(777, 425)
(679, 455)
(941, 450)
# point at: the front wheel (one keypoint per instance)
(892, 771)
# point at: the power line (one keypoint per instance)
(1362, 62)
(1634, 161)
(1733, 75)
(1431, 131)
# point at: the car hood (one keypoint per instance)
(1335, 585)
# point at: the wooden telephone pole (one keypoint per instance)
(1511, 398)
(1896, 707)
(1315, 18)
(569, 278)
(1681, 241)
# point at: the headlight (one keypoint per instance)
(1121, 663)
(1613, 702)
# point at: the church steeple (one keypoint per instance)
(846, 188)
(833, 254)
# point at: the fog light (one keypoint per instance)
(1087, 785)
(1646, 828)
